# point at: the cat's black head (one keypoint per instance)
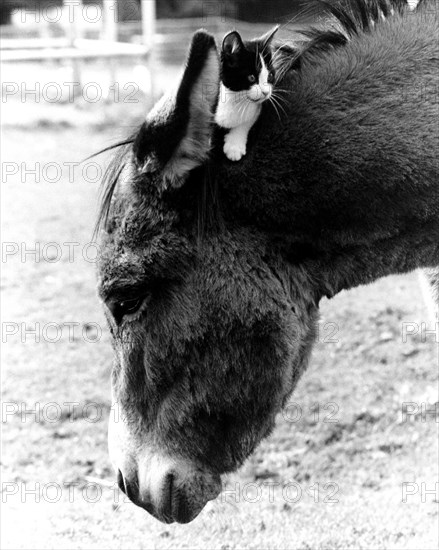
(243, 61)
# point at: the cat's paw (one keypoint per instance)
(234, 149)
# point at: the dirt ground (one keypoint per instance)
(344, 468)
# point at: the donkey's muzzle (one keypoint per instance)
(170, 490)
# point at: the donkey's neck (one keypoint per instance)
(355, 265)
(348, 178)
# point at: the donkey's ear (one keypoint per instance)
(178, 129)
(232, 43)
(268, 36)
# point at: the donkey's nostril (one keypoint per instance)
(173, 490)
(167, 495)
(174, 504)
(181, 507)
(127, 487)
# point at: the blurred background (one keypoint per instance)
(357, 445)
(112, 44)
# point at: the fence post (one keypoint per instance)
(74, 32)
(110, 15)
(148, 22)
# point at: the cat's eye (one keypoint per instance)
(251, 78)
(270, 77)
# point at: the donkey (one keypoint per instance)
(211, 272)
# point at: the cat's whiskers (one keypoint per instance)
(276, 104)
(274, 107)
(284, 90)
(284, 99)
(277, 108)
(281, 100)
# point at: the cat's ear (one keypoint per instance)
(268, 36)
(232, 43)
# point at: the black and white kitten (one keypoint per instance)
(247, 78)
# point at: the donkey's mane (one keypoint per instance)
(111, 178)
(343, 20)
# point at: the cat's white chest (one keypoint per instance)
(235, 108)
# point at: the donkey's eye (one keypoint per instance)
(251, 78)
(125, 308)
(130, 306)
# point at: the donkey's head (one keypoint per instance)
(210, 334)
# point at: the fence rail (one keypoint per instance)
(82, 49)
